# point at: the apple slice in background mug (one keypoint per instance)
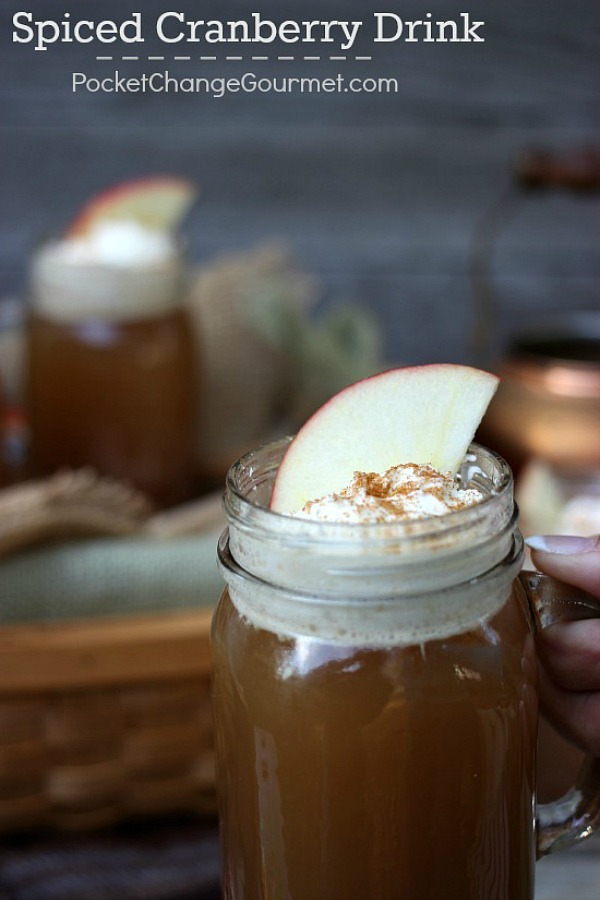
(425, 415)
(158, 203)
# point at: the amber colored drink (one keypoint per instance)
(116, 395)
(389, 773)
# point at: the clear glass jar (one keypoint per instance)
(110, 372)
(375, 701)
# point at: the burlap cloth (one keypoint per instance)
(108, 577)
(76, 547)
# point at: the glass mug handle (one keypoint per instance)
(577, 814)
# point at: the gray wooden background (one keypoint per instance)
(380, 195)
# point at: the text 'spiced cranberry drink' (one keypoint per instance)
(111, 360)
(375, 692)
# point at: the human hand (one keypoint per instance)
(569, 652)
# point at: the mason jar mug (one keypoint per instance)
(375, 701)
(110, 371)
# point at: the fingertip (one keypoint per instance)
(563, 544)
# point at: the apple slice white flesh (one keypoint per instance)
(158, 203)
(424, 415)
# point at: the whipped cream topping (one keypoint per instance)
(115, 243)
(118, 270)
(404, 492)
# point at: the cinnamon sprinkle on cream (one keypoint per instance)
(405, 492)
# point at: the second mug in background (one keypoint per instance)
(110, 371)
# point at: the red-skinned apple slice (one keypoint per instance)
(156, 202)
(425, 414)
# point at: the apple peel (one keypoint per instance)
(156, 202)
(423, 414)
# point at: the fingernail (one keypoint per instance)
(563, 544)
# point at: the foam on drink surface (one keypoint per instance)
(118, 270)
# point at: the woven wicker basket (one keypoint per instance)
(104, 719)
(99, 722)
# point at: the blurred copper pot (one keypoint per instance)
(548, 402)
